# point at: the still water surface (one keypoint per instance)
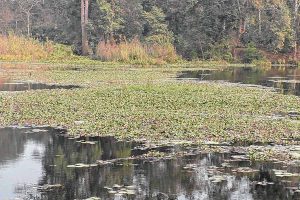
(285, 79)
(31, 159)
(11, 86)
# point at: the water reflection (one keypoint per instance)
(6, 85)
(31, 158)
(285, 79)
(20, 162)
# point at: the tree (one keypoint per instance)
(109, 20)
(271, 28)
(6, 16)
(131, 12)
(204, 29)
(84, 23)
(296, 4)
(27, 7)
(258, 4)
(156, 28)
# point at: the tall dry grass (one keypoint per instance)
(13, 47)
(18, 48)
(136, 52)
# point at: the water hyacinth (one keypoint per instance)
(145, 103)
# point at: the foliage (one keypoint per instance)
(156, 28)
(109, 21)
(221, 51)
(251, 54)
(276, 26)
(60, 52)
(208, 29)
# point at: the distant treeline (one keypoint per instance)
(199, 29)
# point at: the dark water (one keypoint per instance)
(285, 79)
(23, 86)
(30, 159)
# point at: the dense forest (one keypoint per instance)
(199, 29)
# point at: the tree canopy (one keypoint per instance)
(205, 29)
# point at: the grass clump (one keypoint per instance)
(137, 53)
(15, 48)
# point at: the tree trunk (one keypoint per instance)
(28, 24)
(259, 22)
(16, 29)
(84, 22)
(296, 9)
(295, 50)
(86, 11)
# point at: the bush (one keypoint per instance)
(220, 51)
(251, 54)
(61, 52)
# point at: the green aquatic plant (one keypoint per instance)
(147, 104)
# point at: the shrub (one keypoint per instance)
(220, 51)
(251, 54)
(60, 51)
